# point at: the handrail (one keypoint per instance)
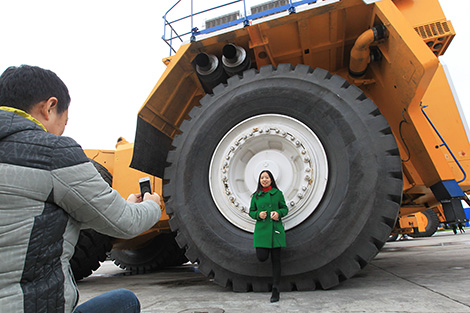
(444, 144)
(171, 27)
(245, 20)
(174, 34)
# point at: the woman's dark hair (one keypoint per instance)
(25, 86)
(260, 188)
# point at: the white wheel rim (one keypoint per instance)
(281, 144)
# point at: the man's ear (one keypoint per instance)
(48, 106)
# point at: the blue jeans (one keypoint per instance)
(114, 301)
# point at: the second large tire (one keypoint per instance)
(431, 226)
(92, 247)
(335, 159)
(161, 252)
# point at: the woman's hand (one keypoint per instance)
(275, 216)
(262, 215)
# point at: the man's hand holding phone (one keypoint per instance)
(145, 192)
(154, 197)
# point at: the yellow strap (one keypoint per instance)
(23, 114)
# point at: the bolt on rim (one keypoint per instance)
(278, 143)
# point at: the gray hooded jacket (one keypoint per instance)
(48, 192)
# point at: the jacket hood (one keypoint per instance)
(11, 123)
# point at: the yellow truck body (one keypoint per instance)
(345, 101)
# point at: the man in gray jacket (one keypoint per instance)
(48, 192)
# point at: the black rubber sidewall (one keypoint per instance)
(346, 205)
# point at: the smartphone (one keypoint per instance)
(145, 186)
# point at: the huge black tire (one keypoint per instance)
(349, 213)
(431, 226)
(92, 247)
(162, 251)
(105, 174)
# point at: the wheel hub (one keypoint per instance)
(280, 144)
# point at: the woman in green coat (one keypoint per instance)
(267, 208)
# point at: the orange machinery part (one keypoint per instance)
(126, 182)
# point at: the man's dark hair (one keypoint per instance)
(25, 86)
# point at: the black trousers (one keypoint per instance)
(263, 253)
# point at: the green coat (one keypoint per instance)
(269, 233)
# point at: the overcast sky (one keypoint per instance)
(109, 55)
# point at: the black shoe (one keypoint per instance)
(275, 295)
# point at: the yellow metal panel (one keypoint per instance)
(419, 12)
(305, 37)
(402, 79)
(103, 157)
(445, 116)
(408, 221)
(422, 221)
(323, 37)
(428, 20)
(125, 179)
(177, 91)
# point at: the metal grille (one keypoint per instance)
(268, 5)
(446, 27)
(433, 29)
(220, 20)
(437, 36)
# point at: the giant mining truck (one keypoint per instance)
(345, 102)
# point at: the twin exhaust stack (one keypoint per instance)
(212, 71)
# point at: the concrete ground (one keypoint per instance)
(415, 275)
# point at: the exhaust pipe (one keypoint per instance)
(209, 71)
(361, 54)
(235, 59)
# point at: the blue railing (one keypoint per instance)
(445, 144)
(171, 34)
